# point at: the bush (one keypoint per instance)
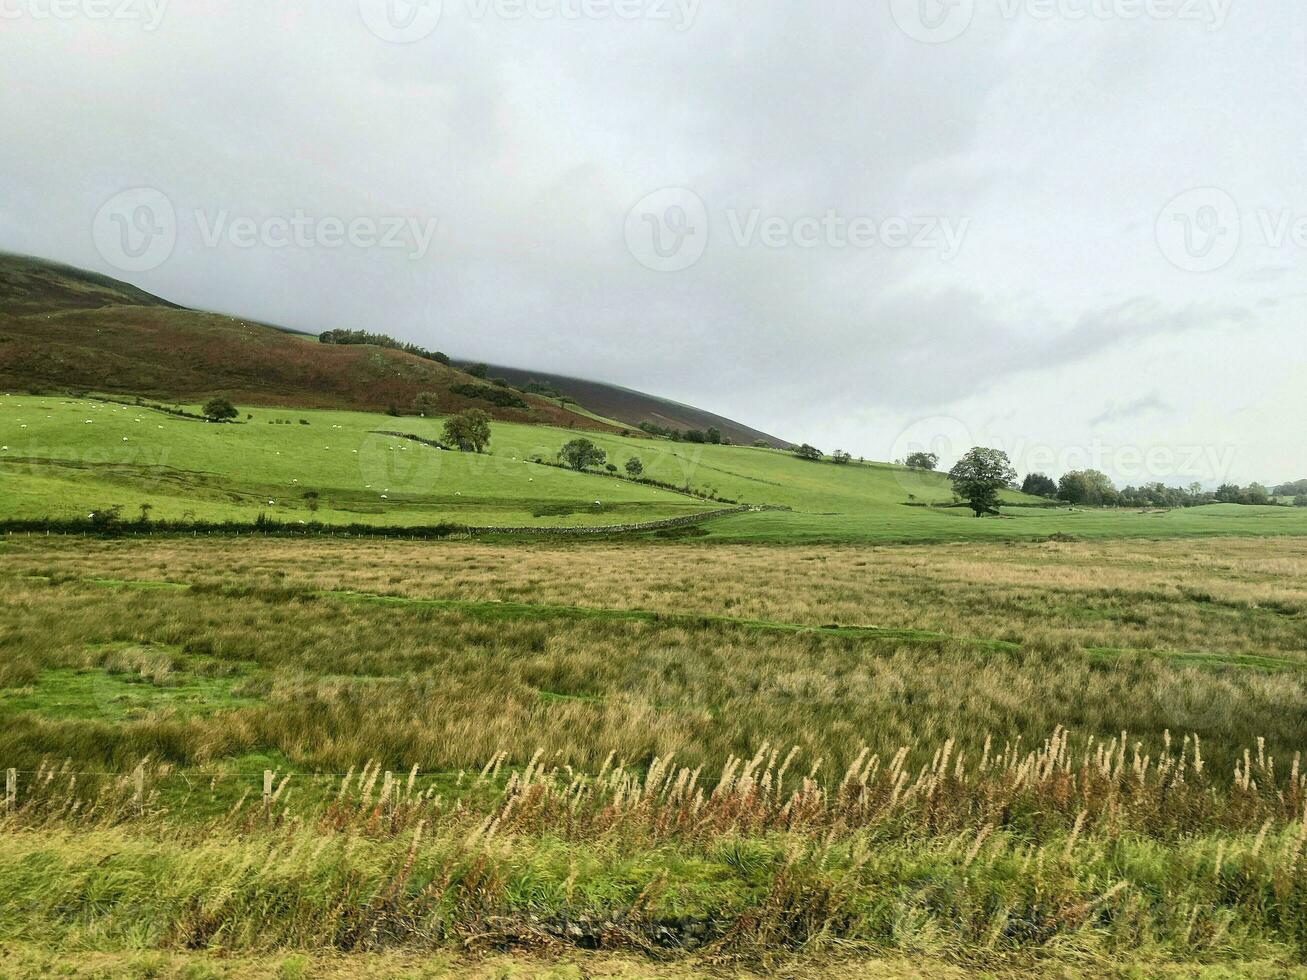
(502, 397)
(427, 403)
(922, 461)
(220, 409)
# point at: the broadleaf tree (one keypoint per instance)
(979, 476)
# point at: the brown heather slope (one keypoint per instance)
(68, 330)
(633, 407)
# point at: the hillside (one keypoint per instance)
(66, 329)
(635, 407)
(62, 329)
(65, 458)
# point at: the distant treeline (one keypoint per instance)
(380, 340)
(1094, 489)
(710, 435)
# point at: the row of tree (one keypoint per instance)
(346, 337)
(711, 435)
(1096, 489)
(981, 475)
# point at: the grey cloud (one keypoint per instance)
(531, 140)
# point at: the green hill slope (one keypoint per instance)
(64, 457)
(62, 329)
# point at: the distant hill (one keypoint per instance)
(69, 330)
(633, 407)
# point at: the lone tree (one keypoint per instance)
(427, 403)
(468, 430)
(840, 457)
(634, 468)
(808, 452)
(979, 476)
(220, 410)
(580, 454)
(921, 461)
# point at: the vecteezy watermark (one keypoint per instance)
(948, 438)
(407, 21)
(1203, 229)
(940, 21)
(933, 21)
(401, 21)
(137, 230)
(1200, 230)
(148, 13)
(668, 230)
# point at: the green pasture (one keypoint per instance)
(66, 457)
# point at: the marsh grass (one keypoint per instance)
(658, 748)
(641, 652)
(1075, 849)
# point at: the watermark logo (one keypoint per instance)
(408, 21)
(948, 439)
(1200, 230)
(667, 231)
(1204, 229)
(940, 21)
(305, 231)
(136, 231)
(401, 21)
(933, 21)
(679, 13)
(942, 436)
(148, 13)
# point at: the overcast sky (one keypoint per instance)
(1075, 229)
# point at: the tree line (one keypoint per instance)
(347, 337)
(710, 436)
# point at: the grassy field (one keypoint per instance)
(63, 457)
(856, 733)
(1026, 758)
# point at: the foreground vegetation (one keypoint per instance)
(1021, 757)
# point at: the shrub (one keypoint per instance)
(220, 409)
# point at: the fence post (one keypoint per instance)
(138, 797)
(11, 790)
